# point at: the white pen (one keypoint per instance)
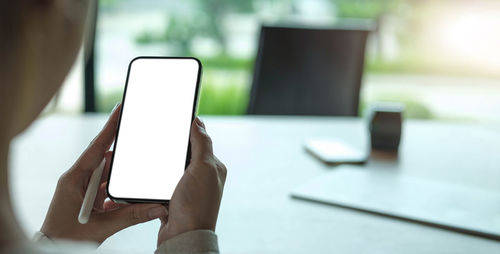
(90, 194)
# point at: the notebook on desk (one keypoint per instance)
(444, 205)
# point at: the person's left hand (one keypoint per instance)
(107, 217)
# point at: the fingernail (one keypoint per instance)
(157, 212)
(200, 122)
(116, 106)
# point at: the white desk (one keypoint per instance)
(265, 160)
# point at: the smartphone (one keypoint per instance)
(152, 150)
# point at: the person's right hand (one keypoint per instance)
(196, 199)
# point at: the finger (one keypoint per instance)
(116, 220)
(107, 166)
(100, 197)
(101, 143)
(201, 143)
(110, 205)
(164, 220)
(102, 193)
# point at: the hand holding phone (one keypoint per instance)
(196, 200)
(194, 204)
(106, 217)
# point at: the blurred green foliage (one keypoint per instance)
(107, 101)
(228, 62)
(233, 100)
(413, 109)
(226, 100)
(107, 4)
(205, 20)
(364, 9)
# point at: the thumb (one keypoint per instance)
(124, 217)
(201, 143)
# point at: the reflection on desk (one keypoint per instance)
(266, 160)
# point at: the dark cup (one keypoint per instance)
(386, 121)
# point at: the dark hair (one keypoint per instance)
(11, 23)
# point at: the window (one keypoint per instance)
(438, 57)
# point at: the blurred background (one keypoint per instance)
(440, 58)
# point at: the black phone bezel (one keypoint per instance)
(188, 155)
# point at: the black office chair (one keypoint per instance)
(308, 71)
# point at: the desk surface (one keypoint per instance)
(265, 161)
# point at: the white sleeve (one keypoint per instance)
(192, 242)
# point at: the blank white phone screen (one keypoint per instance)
(152, 142)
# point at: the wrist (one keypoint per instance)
(174, 229)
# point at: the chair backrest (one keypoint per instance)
(308, 71)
